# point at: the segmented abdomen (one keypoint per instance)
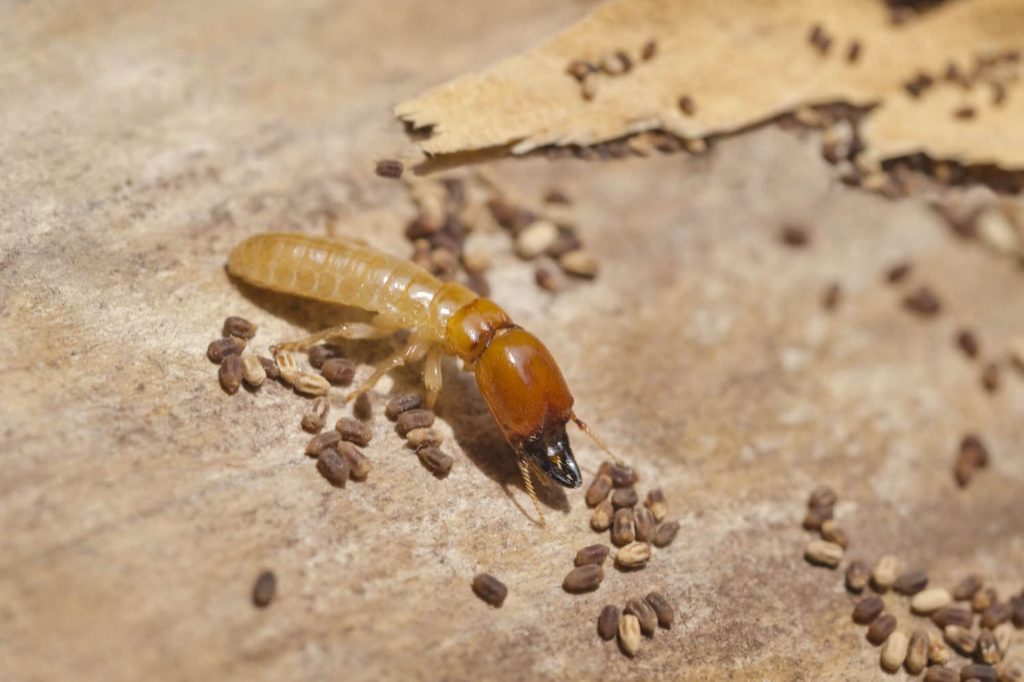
(340, 271)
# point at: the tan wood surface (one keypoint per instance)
(141, 140)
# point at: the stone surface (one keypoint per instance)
(139, 502)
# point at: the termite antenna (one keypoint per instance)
(524, 469)
(593, 436)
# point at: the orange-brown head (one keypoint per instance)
(521, 384)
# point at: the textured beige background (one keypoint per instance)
(140, 141)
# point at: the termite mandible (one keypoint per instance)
(518, 378)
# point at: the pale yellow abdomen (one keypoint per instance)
(349, 273)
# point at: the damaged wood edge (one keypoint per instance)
(888, 177)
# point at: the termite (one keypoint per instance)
(518, 378)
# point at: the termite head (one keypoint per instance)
(528, 398)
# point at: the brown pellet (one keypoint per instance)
(617, 64)
(960, 639)
(649, 49)
(598, 490)
(592, 554)
(601, 519)
(230, 374)
(583, 579)
(964, 113)
(816, 516)
(823, 553)
(633, 555)
(338, 371)
(645, 614)
(967, 588)
(995, 615)
(309, 383)
(917, 652)
(623, 531)
(490, 589)
(354, 431)
(240, 327)
(868, 609)
(253, 372)
(665, 534)
(629, 634)
(1017, 611)
(390, 168)
(983, 599)
(894, 653)
(222, 348)
(437, 462)
(622, 476)
(951, 615)
(317, 444)
(884, 574)
(624, 497)
(930, 600)
(822, 496)
(608, 622)
(333, 467)
(322, 352)
(853, 52)
(656, 503)
(550, 278)
(988, 648)
(359, 465)
(315, 416)
(794, 236)
(362, 408)
(579, 69)
(858, 573)
(898, 272)
(990, 377)
(270, 367)
(663, 608)
(833, 295)
(922, 301)
(285, 360)
(831, 532)
(941, 674)
(911, 583)
(402, 403)
(980, 672)
(413, 419)
(420, 438)
(687, 105)
(968, 343)
(579, 263)
(263, 589)
(881, 628)
(1004, 637)
(644, 524)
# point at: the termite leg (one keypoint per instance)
(593, 436)
(377, 329)
(432, 375)
(524, 469)
(413, 351)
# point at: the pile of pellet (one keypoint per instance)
(338, 453)
(980, 632)
(588, 73)
(451, 209)
(633, 529)
(638, 617)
